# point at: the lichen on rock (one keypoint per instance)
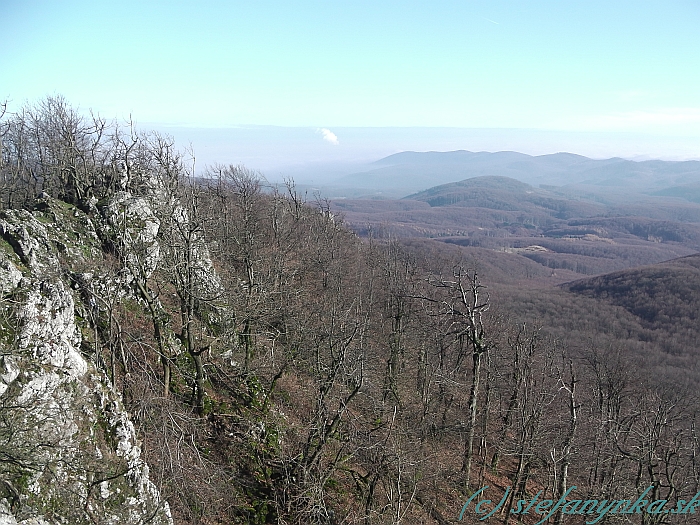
(58, 407)
(133, 222)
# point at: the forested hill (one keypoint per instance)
(560, 232)
(506, 194)
(665, 297)
(213, 350)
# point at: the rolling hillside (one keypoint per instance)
(664, 298)
(557, 232)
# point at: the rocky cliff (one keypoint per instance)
(68, 450)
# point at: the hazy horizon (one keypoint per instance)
(289, 84)
(280, 151)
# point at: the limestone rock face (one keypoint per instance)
(68, 450)
(134, 223)
(10, 276)
(29, 238)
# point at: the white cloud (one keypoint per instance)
(329, 136)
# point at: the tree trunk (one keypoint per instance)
(473, 397)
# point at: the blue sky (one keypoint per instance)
(581, 69)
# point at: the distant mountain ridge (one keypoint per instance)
(415, 171)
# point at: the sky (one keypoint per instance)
(599, 78)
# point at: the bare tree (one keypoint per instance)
(464, 303)
(568, 386)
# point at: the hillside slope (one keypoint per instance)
(665, 298)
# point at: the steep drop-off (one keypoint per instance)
(68, 450)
